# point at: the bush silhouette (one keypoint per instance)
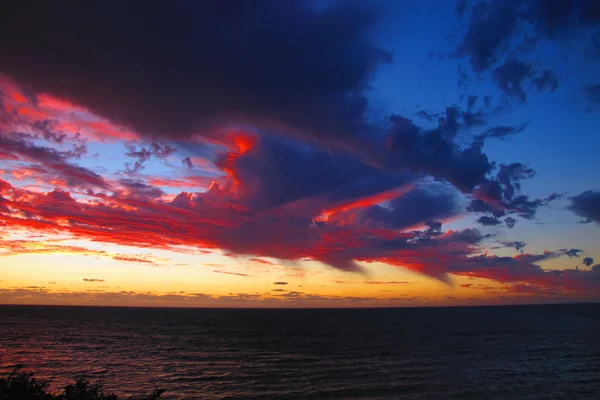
(19, 385)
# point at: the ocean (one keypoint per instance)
(508, 352)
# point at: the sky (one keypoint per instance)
(300, 154)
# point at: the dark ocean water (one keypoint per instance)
(520, 352)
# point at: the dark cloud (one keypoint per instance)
(468, 236)
(572, 252)
(450, 122)
(264, 62)
(500, 196)
(471, 100)
(491, 26)
(425, 203)
(144, 153)
(93, 280)
(510, 177)
(518, 245)
(511, 76)
(586, 205)
(489, 221)
(493, 35)
(427, 115)
(461, 6)
(138, 189)
(187, 162)
(589, 12)
(587, 261)
(319, 98)
(480, 206)
(549, 17)
(510, 222)
(501, 132)
(546, 81)
(553, 18)
(592, 93)
(280, 283)
(473, 119)
(279, 171)
(434, 227)
(47, 127)
(435, 153)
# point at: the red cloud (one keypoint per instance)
(201, 221)
(198, 182)
(68, 120)
(367, 201)
(262, 261)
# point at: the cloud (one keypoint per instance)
(275, 171)
(510, 222)
(426, 203)
(137, 189)
(489, 221)
(319, 102)
(102, 297)
(572, 252)
(257, 50)
(490, 27)
(499, 32)
(501, 196)
(546, 81)
(502, 132)
(262, 261)
(592, 93)
(187, 162)
(513, 74)
(280, 283)
(93, 280)
(16, 247)
(298, 170)
(435, 153)
(48, 161)
(510, 76)
(230, 273)
(204, 221)
(144, 153)
(586, 205)
(48, 246)
(518, 245)
(133, 259)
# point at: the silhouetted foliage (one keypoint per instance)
(19, 385)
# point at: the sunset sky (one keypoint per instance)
(300, 154)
